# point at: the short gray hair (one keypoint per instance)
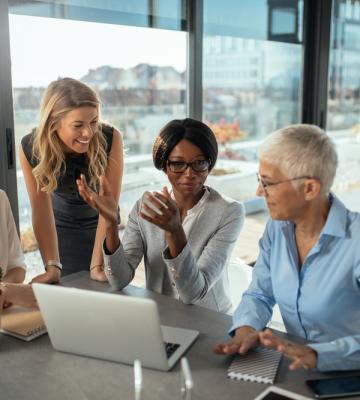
(302, 150)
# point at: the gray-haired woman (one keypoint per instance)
(309, 261)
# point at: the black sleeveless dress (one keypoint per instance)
(75, 220)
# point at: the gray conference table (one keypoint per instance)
(34, 371)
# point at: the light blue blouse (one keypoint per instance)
(319, 302)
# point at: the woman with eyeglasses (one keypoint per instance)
(309, 262)
(185, 233)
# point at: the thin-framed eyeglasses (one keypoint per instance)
(182, 166)
(266, 185)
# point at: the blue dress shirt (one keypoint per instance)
(320, 301)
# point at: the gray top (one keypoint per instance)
(34, 371)
(198, 275)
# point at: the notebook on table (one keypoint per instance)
(110, 326)
(22, 323)
(258, 365)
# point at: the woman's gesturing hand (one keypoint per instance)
(167, 216)
(104, 202)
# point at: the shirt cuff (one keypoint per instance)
(179, 259)
(326, 355)
(236, 326)
(16, 264)
(247, 315)
(106, 251)
(107, 255)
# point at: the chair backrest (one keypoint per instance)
(239, 275)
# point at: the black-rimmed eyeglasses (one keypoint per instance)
(182, 166)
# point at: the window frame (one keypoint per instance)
(316, 48)
(8, 180)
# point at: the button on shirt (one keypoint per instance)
(319, 301)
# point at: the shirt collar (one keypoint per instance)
(199, 204)
(336, 222)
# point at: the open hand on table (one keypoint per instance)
(18, 294)
(301, 356)
(245, 338)
(51, 275)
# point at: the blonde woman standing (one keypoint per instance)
(70, 140)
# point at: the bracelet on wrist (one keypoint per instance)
(53, 263)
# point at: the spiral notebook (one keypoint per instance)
(258, 365)
(22, 323)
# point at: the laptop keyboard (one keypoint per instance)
(170, 348)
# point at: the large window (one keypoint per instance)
(252, 64)
(138, 72)
(252, 67)
(343, 116)
(134, 54)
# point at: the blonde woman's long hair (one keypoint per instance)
(62, 96)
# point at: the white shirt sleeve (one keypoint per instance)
(11, 255)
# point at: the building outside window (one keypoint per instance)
(141, 86)
(252, 66)
(343, 114)
(134, 54)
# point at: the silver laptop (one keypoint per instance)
(110, 326)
